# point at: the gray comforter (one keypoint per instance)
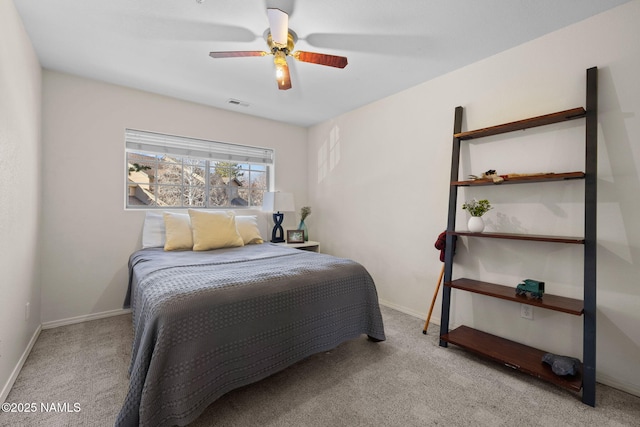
(206, 323)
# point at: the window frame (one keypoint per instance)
(152, 144)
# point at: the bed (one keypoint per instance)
(208, 322)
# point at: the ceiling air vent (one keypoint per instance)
(237, 102)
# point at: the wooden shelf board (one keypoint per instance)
(548, 301)
(523, 179)
(547, 119)
(512, 354)
(513, 236)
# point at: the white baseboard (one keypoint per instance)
(410, 312)
(617, 384)
(49, 325)
(85, 318)
(14, 375)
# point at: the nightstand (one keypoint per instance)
(306, 246)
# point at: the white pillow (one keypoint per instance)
(178, 232)
(153, 233)
(214, 230)
(247, 226)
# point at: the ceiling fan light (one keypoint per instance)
(282, 70)
(280, 61)
(280, 74)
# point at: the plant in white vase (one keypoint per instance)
(477, 208)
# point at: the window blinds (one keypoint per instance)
(137, 140)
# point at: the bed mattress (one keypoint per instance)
(208, 322)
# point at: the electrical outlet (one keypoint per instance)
(27, 311)
(526, 311)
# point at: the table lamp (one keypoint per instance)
(277, 202)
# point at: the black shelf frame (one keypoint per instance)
(590, 114)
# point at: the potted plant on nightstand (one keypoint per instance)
(305, 211)
(476, 208)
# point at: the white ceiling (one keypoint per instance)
(162, 46)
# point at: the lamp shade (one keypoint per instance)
(276, 201)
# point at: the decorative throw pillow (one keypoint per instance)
(214, 230)
(153, 232)
(247, 226)
(178, 232)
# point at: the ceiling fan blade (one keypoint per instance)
(389, 44)
(279, 24)
(321, 58)
(238, 53)
(177, 28)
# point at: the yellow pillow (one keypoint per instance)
(177, 231)
(214, 230)
(247, 226)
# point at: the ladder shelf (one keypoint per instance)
(513, 354)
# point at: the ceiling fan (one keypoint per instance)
(281, 41)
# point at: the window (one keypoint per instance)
(172, 171)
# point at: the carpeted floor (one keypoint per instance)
(406, 381)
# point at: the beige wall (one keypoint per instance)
(19, 193)
(378, 181)
(87, 235)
